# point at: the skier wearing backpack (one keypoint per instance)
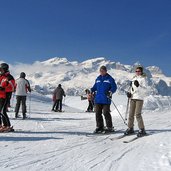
(6, 88)
(57, 98)
(22, 87)
(104, 87)
(136, 95)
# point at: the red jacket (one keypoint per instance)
(11, 86)
(3, 84)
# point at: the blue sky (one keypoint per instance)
(120, 30)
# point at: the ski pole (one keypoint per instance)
(64, 100)
(119, 112)
(128, 101)
(127, 109)
(29, 103)
(12, 105)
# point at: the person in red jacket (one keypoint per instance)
(9, 89)
(6, 87)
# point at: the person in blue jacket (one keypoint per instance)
(103, 88)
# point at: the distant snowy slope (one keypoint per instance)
(76, 77)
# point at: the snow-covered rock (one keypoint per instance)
(76, 77)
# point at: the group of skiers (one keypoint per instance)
(8, 85)
(103, 89)
(99, 96)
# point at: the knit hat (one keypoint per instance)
(103, 68)
(22, 75)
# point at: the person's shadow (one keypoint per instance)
(4, 138)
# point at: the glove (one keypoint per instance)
(129, 95)
(136, 83)
(109, 94)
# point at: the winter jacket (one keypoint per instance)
(11, 85)
(139, 92)
(103, 85)
(22, 87)
(3, 84)
(58, 93)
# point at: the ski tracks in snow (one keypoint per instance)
(58, 141)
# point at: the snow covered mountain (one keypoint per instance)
(76, 77)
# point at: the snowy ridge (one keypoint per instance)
(76, 77)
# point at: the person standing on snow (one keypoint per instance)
(6, 87)
(104, 87)
(22, 87)
(90, 100)
(57, 98)
(136, 95)
(9, 89)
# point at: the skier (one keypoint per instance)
(9, 89)
(6, 87)
(104, 87)
(22, 87)
(57, 98)
(90, 100)
(136, 95)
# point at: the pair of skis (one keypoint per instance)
(127, 141)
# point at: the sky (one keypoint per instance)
(124, 31)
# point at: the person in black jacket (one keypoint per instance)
(58, 97)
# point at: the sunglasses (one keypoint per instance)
(137, 71)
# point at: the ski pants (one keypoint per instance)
(136, 110)
(3, 117)
(90, 106)
(105, 109)
(20, 99)
(57, 104)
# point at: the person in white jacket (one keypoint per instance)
(21, 88)
(137, 93)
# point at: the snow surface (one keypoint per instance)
(63, 141)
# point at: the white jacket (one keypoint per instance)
(22, 86)
(140, 92)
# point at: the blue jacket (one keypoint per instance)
(102, 86)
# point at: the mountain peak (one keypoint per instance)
(55, 61)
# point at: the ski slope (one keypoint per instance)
(63, 141)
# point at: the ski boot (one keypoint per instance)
(98, 130)
(129, 131)
(6, 129)
(108, 130)
(141, 133)
(24, 116)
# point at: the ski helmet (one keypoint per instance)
(4, 66)
(22, 75)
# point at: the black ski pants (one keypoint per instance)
(57, 105)
(6, 120)
(90, 106)
(20, 99)
(105, 109)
